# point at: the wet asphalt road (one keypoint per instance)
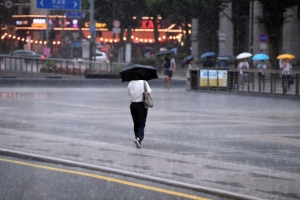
(242, 144)
(28, 180)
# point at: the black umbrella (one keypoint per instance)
(186, 60)
(138, 72)
(165, 52)
(148, 48)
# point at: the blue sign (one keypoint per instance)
(75, 15)
(93, 29)
(263, 37)
(59, 4)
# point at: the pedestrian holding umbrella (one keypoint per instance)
(244, 55)
(243, 66)
(186, 60)
(137, 75)
(207, 54)
(164, 52)
(223, 60)
(261, 67)
(147, 73)
(286, 56)
(286, 70)
(260, 56)
(225, 57)
(208, 62)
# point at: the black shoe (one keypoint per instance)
(137, 143)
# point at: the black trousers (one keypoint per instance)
(286, 80)
(139, 116)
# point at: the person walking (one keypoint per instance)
(261, 74)
(169, 67)
(138, 111)
(286, 69)
(208, 62)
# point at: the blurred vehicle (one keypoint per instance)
(100, 56)
(27, 54)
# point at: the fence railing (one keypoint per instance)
(76, 67)
(247, 81)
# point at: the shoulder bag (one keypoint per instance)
(148, 102)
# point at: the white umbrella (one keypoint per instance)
(244, 55)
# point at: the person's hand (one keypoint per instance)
(149, 93)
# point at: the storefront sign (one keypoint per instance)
(85, 49)
(41, 23)
(213, 78)
(148, 24)
(98, 25)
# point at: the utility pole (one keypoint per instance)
(114, 35)
(251, 31)
(47, 26)
(92, 30)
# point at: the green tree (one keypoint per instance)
(6, 18)
(156, 9)
(183, 11)
(128, 12)
(273, 19)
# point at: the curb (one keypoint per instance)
(34, 157)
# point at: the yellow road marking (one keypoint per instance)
(106, 178)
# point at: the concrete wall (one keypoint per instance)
(257, 30)
(291, 32)
(226, 31)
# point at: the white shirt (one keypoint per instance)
(261, 67)
(243, 65)
(286, 69)
(136, 89)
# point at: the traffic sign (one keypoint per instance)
(263, 37)
(93, 29)
(116, 23)
(117, 30)
(75, 15)
(8, 4)
(59, 4)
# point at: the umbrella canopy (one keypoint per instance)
(148, 48)
(186, 60)
(285, 56)
(164, 52)
(244, 55)
(138, 72)
(174, 50)
(225, 57)
(260, 56)
(207, 54)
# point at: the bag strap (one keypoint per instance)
(145, 86)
